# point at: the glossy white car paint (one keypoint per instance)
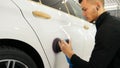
(18, 22)
(14, 26)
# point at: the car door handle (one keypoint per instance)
(41, 14)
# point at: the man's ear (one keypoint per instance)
(97, 8)
(98, 4)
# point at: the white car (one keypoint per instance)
(28, 28)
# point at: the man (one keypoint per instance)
(106, 53)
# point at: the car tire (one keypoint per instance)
(14, 58)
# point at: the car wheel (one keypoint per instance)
(14, 58)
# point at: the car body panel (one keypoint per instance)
(14, 26)
(19, 23)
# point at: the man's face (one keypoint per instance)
(89, 11)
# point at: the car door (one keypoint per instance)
(46, 29)
(49, 23)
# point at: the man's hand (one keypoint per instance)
(66, 48)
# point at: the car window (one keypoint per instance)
(69, 6)
(36, 0)
(57, 4)
(74, 8)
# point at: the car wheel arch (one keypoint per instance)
(24, 47)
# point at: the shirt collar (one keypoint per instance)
(100, 19)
